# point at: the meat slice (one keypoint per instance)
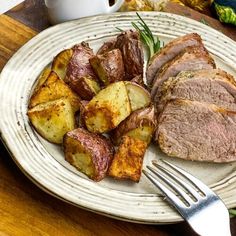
(211, 86)
(192, 58)
(170, 51)
(197, 131)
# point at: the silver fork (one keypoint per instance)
(199, 206)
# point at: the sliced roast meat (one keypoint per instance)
(170, 51)
(197, 131)
(211, 86)
(132, 52)
(192, 58)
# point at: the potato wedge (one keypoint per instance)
(139, 97)
(42, 78)
(132, 52)
(80, 75)
(89, 153)
(81, 118)
(109, 67)
(53, 89)
(139, 80)
(107, 46)
(61, 61)
(108, 108)
(86, 88)
(140, 125)
(128, 160)
(53, 119)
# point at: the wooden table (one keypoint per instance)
(24, 208)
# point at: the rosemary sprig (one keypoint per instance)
(150, 41)
(153, 43)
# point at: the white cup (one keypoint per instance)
(64, 10)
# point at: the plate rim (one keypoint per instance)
(84, 20)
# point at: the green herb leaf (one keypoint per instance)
(232, 212)
(153, 43)
(203, 21)
(150, 41)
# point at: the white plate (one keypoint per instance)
(43, 162)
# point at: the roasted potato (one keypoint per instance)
(80, 75)
(81, 118)
(42, 78)
(140, 125)
(61, 61)
(139, 80)
(109, 67)
(128, 160)
(86, 88)
(53, 119)
(52, 89)
(132, 52)
(108, 108)
(139, 97)
(89, 153)
(107, 46)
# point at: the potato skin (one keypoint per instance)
(128, 160)
(79, 71)
(107, 46)
(97, 146)
(139, 80)
(109, 67)
(132, 52)
(81, 121)
(139, 97)
(141, 118)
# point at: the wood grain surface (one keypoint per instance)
(12, 36)
(24, 208)
(178, 9)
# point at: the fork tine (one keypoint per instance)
(171, 197)
(179, 181)
(197, 183)
(186, 198)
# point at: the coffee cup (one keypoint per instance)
(64, 10)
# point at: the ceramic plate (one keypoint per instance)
(43, 162)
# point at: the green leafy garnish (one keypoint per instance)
(153, 43)
(232, 212)
(203, 21)
(150, 41)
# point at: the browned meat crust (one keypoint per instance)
(170, 51)
(192, 58)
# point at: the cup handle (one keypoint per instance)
(116, 6)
